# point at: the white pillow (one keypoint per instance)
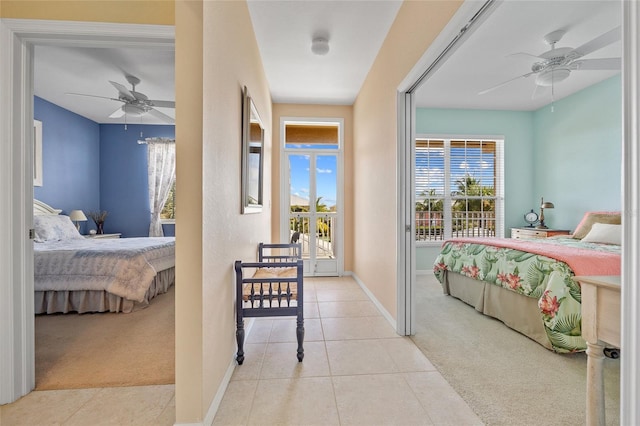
(604, 233)
(52, 227)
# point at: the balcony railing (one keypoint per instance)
(299, 226)
(430, 226)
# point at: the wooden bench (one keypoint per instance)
(273, 286)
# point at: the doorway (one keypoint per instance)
(312, 211)
(17, 40)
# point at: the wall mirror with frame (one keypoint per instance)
(252, 156)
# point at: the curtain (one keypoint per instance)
(161, 160)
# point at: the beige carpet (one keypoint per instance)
(505, 377)
(105, 349)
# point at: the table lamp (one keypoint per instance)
(544, 205)
(77, 216)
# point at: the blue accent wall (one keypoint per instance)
(124, 190)
(91, 167)
(70, 160)
(571, 156)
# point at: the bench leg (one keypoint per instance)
(300, 336)
(240, 340)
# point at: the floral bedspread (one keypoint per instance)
(533, 275)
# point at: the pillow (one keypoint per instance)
(590, 218)
(604, 233)
(52, 227)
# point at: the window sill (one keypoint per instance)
(167, 221)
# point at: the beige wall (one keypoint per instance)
(157, 12)
(375, 145)
(316, 111)
(189, 229)
(230, 60)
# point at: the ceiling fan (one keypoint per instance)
(556, 64)
(135, 104)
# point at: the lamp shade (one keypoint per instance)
(547, 205)
(77, 216)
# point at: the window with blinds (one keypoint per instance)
(459, 190)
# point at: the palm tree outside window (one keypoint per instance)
(459, 184)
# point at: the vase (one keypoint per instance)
(100, 226)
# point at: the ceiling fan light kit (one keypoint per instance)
(552, 76)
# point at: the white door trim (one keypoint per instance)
(17, 38)
(284, 180)
(630, 322)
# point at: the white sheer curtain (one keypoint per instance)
(161, 160)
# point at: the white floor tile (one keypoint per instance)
(379, 399)
(357, 328)
(305, 401)
(280, 361)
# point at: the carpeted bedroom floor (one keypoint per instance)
(505, 377)
(105, 349)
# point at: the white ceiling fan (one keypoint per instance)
(556, 64)
(135, 104)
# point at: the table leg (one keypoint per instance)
(595, 384)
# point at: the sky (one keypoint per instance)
(326, 177)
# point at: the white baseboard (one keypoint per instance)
(215, 404)
(375, 301)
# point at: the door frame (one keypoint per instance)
(630, 298)
(17, 40)
(284, 182)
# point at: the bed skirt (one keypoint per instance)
(517, 311)
(51, 302)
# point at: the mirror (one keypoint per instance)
(252, 158)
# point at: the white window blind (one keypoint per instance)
(459, 189)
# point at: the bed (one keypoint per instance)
(528, 284)
(73, 273)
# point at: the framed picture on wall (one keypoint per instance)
(37, 153)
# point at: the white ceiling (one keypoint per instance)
(483, 60)
(356, 30)
(62, 70)
(285, 29)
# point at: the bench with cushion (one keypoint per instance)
(273, 286)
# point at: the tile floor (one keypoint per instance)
(356, 371)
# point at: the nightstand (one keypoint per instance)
(519, 233)
(103, 236)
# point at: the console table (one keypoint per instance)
(600, 324)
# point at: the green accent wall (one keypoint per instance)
(578, 153)
(571, 156)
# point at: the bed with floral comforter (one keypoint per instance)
(540, 269)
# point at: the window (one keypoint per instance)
(168, 213)
(459, 188)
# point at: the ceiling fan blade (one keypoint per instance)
(525, 54)
(598, 64)
(490, 89)
(124, 92)
(117, 113)
(599, 42)
(93, 96)
(163, 104)
(161, 116)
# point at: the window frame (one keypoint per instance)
(448, 197)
